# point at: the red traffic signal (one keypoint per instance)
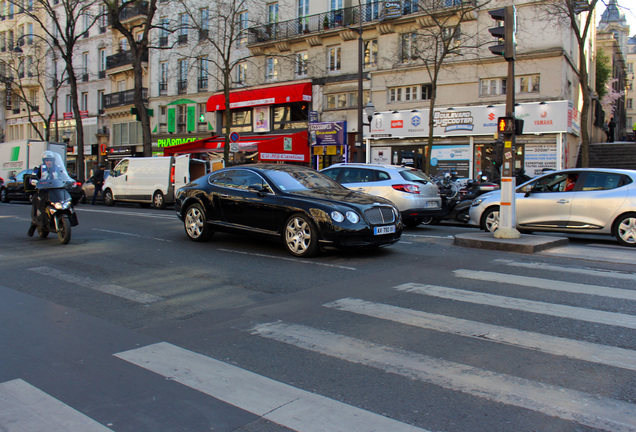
(506, 125)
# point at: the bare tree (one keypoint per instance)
(578, 16)
(223, 35)
(138, 37)
(34, 64)
(64, 23)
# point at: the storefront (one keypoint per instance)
(464, 138)
(271, 148)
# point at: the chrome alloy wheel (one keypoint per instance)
(195, 224)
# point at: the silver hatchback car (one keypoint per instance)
(414, 194)
(584, 200)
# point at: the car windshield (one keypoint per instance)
(414, 175)
(293, 181)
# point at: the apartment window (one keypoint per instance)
(334, 59)
(202, 110)
(408, 93)
(291, 116)
(630, 67)
(426, 91)
(345, 100)
(163, 78)
(33, 99)
(271, 72)
(100, 100)
(182, 84)
(203, 74)
(102, 62)
(302, 59)
(272, 12)
(84, 101)
(69, 103)
(241, 73)
(183, 28)
(103, 18)
(123, 44)
(241, 120)
(85, 66)
(628, 104)
(528, 84)
(204, 17)
(243, 27)
(303, 11)
(182, 117)
(409, 47)
(370, 53)
(29, 66)
(86, 19)
(163, 35)
(29, 35)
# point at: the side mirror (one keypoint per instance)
(527, 189)
(258, 188)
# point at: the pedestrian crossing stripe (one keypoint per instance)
(548, 284)
(589, 410)
(561, 311)
(580, 350)
(27, 409)
(281, 403)
(613, 274)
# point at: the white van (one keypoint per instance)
(151, 180)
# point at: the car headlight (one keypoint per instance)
(353, 217)
(337, 216)
(477, 201)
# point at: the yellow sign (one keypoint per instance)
(508, 144)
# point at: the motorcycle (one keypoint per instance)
(457, 207)
(59, 215)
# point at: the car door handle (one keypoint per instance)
(359, 189)
(563, 201)
(224, 196)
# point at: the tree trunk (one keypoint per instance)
(79, 128)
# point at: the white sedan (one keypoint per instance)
(583, 200)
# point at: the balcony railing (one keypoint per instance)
(122, 98)
(133, 10)
(182, 86)
(122, 59)
(163, 87)
(202, 84)
(344, 18)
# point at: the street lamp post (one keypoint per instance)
(359, 153)
(369, 110)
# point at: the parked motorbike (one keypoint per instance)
(457, 207)
(59, 215)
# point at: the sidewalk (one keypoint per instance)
(527, 243)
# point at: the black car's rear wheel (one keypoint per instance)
(300, 236)
(195, 224)
(4, 196)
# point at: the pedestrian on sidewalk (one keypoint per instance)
(610, 130)
(98, 181)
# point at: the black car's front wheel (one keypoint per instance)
(4, 196)
(195, 224)
(301, 236)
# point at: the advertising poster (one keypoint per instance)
(451, 159)
(261, 119)
(329, 133)
(538, 157)
(381, 155)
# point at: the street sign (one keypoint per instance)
(234, 137)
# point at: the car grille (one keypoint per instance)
(380, 215)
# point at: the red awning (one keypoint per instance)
(287, 147)
(262, 96)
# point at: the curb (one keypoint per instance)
(527, 243)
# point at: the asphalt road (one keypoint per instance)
(132, 327)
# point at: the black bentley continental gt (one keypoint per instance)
(304, 208)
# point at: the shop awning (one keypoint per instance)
(280, 147)
(262, 96)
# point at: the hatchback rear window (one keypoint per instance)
(414, 175)
(605, 181)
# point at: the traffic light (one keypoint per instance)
(506, 125)
(505, 31)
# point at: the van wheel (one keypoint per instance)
(108, 198)
(4, 196)
(158, 201)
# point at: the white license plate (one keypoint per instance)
(431, 204)
(384, 230)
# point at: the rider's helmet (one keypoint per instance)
(48, 155)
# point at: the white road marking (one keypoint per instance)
(289, 406)
(572, 312)
(28, 409)
(131, 235)
(586, 271)
(548, 284)
(158, 215)
(580, 350)
(625, 256)
(298, 261)
(115, 290)
(428, 236)
(590, 410)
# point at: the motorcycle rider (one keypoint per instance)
(52, 168)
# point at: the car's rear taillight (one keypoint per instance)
(172, 174)
(410, 188)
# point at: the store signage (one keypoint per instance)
(539, 118)
(329, 133)
(169, 142)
